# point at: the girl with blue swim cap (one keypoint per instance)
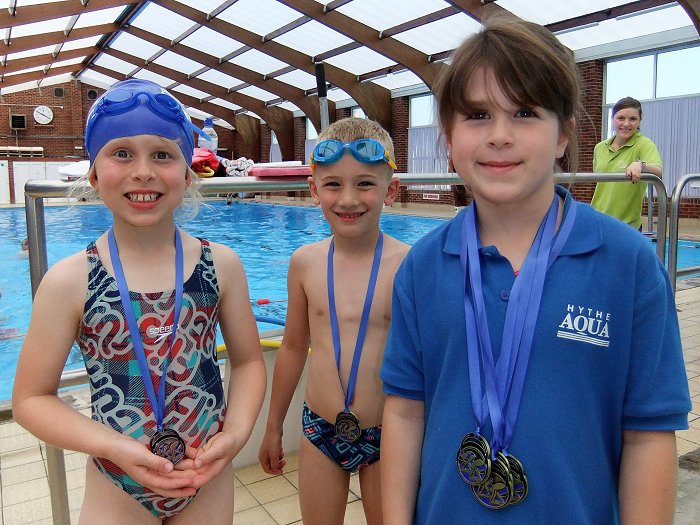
(143, 302)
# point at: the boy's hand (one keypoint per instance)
(271, 454)
(154, 472)
(214, 455)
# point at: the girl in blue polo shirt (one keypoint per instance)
(534, 370)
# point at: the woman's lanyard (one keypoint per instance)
(497, 479)
(347, 425)
(157, 402)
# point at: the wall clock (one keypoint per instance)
(43, 114)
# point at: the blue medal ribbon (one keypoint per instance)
(364, 320)
(157, 403)
(504, 380)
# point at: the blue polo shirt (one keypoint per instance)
(606, 356)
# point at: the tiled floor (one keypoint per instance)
(260, 499)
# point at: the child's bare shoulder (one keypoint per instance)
(394, 248)
(67, 278)
(310, 254)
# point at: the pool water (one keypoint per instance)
(263, 235)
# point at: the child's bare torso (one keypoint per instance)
(326, 387)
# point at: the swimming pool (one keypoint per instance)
(263, 235)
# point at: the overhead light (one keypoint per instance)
(577, 28)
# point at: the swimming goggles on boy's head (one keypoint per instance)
(369, 151)
(138, 107)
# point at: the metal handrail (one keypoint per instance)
(673, 271)
(36, 191)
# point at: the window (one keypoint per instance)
(18, 121)
(677, 72)
(632, 77)
(358, 112)
(311, 133)
(420, 111)
(59, 92)
(92, 94)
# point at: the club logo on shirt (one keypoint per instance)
(586, 325)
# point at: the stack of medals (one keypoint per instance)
(496, 478)
(496, 483)
(347, 425)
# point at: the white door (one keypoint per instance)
(24, 171)
(4, 182)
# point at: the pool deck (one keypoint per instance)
(261, 499)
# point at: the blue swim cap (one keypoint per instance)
(138, 107)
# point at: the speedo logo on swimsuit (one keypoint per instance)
(159, 332)
(586, 325)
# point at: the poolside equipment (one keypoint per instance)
(74, 171)
(369, 151)
(268, 301)
(301, 170)
(138, 107)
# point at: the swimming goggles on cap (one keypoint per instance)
(369, 151)
(120, 101)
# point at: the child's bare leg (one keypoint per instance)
(323, 487)
(107, 504)
(212, 505)
(371, 493)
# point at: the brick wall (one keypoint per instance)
(265, 142)
(588, 122)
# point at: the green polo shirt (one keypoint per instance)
(622, 200)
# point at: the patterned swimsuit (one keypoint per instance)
(194, 394)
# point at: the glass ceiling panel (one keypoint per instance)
(205, 6)
(548, 11)
(153, 77)
(134, 46)
(389, 13)
(398, 80)
(62, 63)
(288, 106)
(103, 16)
(256, 92)
(94, 78)
(46, 81)
(115, 64)
(81, 42)
(337, 94)
(259, 16)
(211, 42)
(23, 71)
(225, 104)
(162, 22)
(300, 79)
(220, 79)
(313, 38)
(178, 63)
(441, 35)
(629, 27)
(360, 60)
(31, 52)
(189, 90)
(259, 62)
(39, 28)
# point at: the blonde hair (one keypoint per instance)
(354, 128)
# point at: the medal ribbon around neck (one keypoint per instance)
(364, 320)
(504, 380)
(157, 403)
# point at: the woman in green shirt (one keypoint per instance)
(627, 151)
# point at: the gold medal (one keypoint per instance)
(520, 486)
(347, 427)
(474, 459)
(497, 491)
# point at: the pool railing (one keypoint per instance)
(35, 191)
